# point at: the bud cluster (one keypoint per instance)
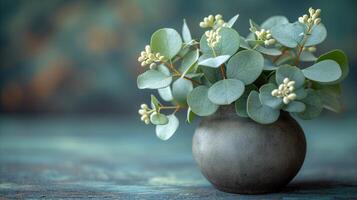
(311, 49)
(311, 20)
(145, 113)
(212, 21)
(265, 35)
(285, 91)
(147, 57)
(213, 37)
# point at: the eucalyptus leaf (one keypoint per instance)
(199, 103)
(306, 56)
(246, 66)
(258, 112)
(186, 34)
(291, 72)
(214, 62)
(325, 71)
(243, 43)
(267, 99)
(268, 51)
(190, 115)
(330, 96)
(313, 105)
(211, 74)
(165, 93)
(318, 35)
(226, 91)
(241, 103)
(300, 93)
(295, 106)
(153, 79)
(273, 21)
(180, 89)
(231, 22)
(269, 66)
(155, 103)
(227, 45)
(158, 119)
(164, 132)
(167, 42)
(288, 34)
(188, 62)
(341, 58)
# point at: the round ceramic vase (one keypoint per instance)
(239, 155)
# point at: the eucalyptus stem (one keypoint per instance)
(301, 47)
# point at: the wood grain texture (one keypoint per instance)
(111, 158)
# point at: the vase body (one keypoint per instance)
(239, 155)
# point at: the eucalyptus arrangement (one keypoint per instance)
(273, 69)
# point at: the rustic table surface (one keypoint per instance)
(113, 158)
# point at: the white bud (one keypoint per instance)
(314, 16)
(318, 11)
(309, 20)
(292, 96)
(291, 83)
(266, 43)
(202, 25)
(291, 88)
(305, 17)
(317, 21)
(286, 80)
(311, 49)
(281, 87)
(141, 111)
(286, 100)
(205, 19)
(272, 41)
(301, 20)
(268, 36)
(311, 11)
(217, 17)
(262, 30)
(152, 66)
(147, 121)
(143, 64)
(210, 18)
(274, 92)
(161, 58)
(148, 48)
(220, 22)
(144, 106)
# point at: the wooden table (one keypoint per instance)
(114, 158)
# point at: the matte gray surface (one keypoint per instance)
(241, 156)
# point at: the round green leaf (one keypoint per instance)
(295, 106)
(288, 34)
(214, 62)
(167, 42)
(180, 89)
(188, 62)
(267, 99)
(226, 91)
(325, 71)
(153, 79)
(228, 44)
(165, 131)
(341, 58)
(258, 112)
(291, 72)
(313, 105)
(165, 93)
(317, 36)
(199, 103)
(158, 119)
(246, 66)
(241, 103)
(273, 21)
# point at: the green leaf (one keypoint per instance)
(164, 132)
(246, 66)
(165, 93)
(198, 100)
(190, 115)
(155, 103)
(158, 119)
(211, 74)
(167, 42)
(226, 91)
(163, 69)
(330, 96)
(214, 62)
(300, 93)
(313, 105)
(325, 71)
(273, 21)
(244, 44)
(258, 112)
(341, 58)
(153, 79)
(317, 36)
(231, 22)
(188, 62)
(186, 34)
(306, 56)
(295, 106)
(269, 66)
(268, 51)
(288, 34)
(241, 103)
(291, 72)
(267, 99)
(180, 89)
(227, 45)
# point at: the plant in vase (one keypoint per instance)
(245, 88)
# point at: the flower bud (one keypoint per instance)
(210, 18)
(311, 11)
(291, 88)
(281, 87)
(144, 106)
(152, 66)
(291, 83)
(309, 20)
(272, 41)
(311, 49)
(318, 11)
(217, 17)
(202, 25)
(317, 21)
(266, 43)
(286, 100)
(274, 92)
(147, 121)
(286, 80)
(147, 49)
(292, 96)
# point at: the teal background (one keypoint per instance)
(68, 102)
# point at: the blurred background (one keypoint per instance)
(70, 57)
(68, 99)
